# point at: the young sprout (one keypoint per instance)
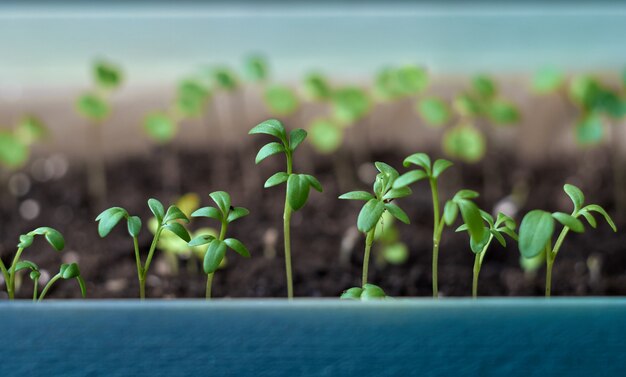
(537, 229)
(15, 143)
(503, 224)
(376, 205)
(56, 240)
(67, 272)
(298, 185)
(281, 100)
(368, 292)
(225, 214)
(460, 202)
(95, 106)
(170, 221)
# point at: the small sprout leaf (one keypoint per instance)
(535, 233)
(461, 228)
(547, 80)
(178, 230)
(210, 212)
(237, 213)
(281, 100)
(256, 68)
(466, 194)
(160, 127)
(82, 285)
(316, 87)
(271, 127)
(370, 215)
(107, 75)
(477, 246)
(92, 107)
(569, 221)
(397, 193)
(214, 256)
(108, 219)
(372, 292)
(357, 195)
(267, 150)
(26, 264)
(25, 241)
(409, 178)
(440, 166)
(134, 226)
(471, 217)
(498, 237)
(420, 159)
(590, 129)
(502, 112)
(434, 111)
(276, 179)
(590, 219)
(464, 142)
(325, 136)
(313, 182)
(296, 137)
(450, 212)
(484, 86)
(297, 191)
(222, 199)
(174, 213)
(600, 210)
(201, 240)
(397, 212)
(353, 293)
(509, 232)
(157, 209)
(238, 247)
(577, 196)
(69, 271)
(13, 152)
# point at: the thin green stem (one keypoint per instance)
(5, 274)
(11, 287)
(287, 232)
(36, 285)
(209, 277)
(478, 263)
(369, 240)
(144, 271)
(139, 268)
(47, 287)
(551, 256)
(436, 234)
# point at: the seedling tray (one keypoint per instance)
(403, 337)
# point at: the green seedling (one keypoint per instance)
(461, 202)
(317, 88)
(367, 293)
(349, 105)
(15, 143)
(396, 83)
(376, 205)
(503, 224)
(281, 100)
(56, 240)
(298, 185)
(390, 250)
(95, 106)
(256, 69)
(170, 221)
(225, 214)
(537, 229)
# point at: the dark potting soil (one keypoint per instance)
(593, 263)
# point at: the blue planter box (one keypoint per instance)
(422, 337)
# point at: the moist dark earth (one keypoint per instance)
(593, 263)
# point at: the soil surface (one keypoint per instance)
(593, 263)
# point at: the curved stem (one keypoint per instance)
(551, 256)
(287, 233)
(478, 263)
(47, 287)
(11, 286)
(369, 240)
(436, 234)
(36, 285)
(144, 271)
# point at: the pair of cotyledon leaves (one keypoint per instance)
(225, 213)
(298, 185)
(537, 227)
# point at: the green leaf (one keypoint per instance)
(108, 219)
(214, 256)
(210, 212)
(281, 100)
(434, 111)
(237, 213)
(370, 215)
(160, 127)
(473, 219)
(92, 107)
(269, 149)
(498, 237)
(296, 137)
(30, 129)
(174, 213)
(420, 159)
(325, 136)
(13, 152)
(107, 75)
(69, 271)
(590, 129)
(224, 78)
(484, 86)
(547, 80)
(178, 230)
(397, 212)
(238, 247)
(487, 217)
(535, 233)
(396, 253)
(440, 166)
(34, 275)
(465, 143)
(569, 221)
(350, 104)
(256, 68)
(509, 232)
(316, 87)
(477, 246)
(397, 193)
(450, 212)
(386, 169)
(201, 240)
(271, 127)
(357, 195)
(82, 285)
(353, 293)
(297, 191)
(134, 225)
(276, 179)
(372, 292)
(467, 106)
(222, 199)
(25, 264)
(157, 209)
(25, 241)
(600, 210)
(466, 194)
(313, 182)
(409, 178)
(577, 196)
(411, 79)
(502, 112)
(590, 219)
